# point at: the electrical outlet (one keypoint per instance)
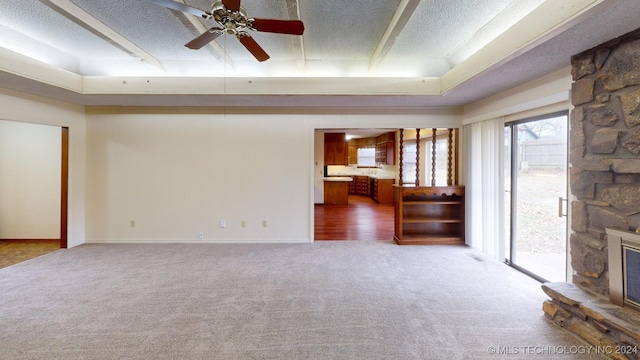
(223, 223)
(201, 235)
(243, 223)
(264, 223)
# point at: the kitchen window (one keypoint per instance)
(441, 161)
(366, 157)
(409, 162)
(426, 153)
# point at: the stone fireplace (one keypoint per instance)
(604, 153)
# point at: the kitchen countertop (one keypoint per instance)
(338, 178)
(374, 176)
(382, 177)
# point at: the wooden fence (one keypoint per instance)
(543, 154)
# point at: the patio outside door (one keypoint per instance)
(536, 178)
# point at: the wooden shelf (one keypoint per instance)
(424, 220)
(433, 202)
(429, 215)
(434, 239)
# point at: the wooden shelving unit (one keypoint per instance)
(429, 215)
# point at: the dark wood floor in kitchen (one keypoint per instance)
(361, 219)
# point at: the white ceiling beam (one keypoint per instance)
(400, 18)
(293, 8)
(87, 21)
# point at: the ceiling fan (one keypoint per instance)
(233, 19)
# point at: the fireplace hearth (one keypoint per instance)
(613, 329)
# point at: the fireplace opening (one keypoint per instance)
(624, 268)
(631, 267)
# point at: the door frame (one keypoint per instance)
(64, 187)
(513, 197)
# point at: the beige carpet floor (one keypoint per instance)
(326, 300)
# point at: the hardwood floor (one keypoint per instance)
(15, 251)
(361, 219)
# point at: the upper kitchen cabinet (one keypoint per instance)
(336, 149)
(353, 152)
(386, 149)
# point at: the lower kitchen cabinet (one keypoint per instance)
(362, 185)
(352, 186)
(336, 192)
(382, 190)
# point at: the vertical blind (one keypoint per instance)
(484, 158)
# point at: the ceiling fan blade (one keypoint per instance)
(291, 27)
(179, 7)
(205, 38)
(231, 5)
(253, 47)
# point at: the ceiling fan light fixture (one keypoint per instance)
(230, 27)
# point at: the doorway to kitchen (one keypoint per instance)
(536, 210)
(353, 184)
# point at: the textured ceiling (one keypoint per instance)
(359, 39)
(340, 37)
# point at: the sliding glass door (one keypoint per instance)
(536, 180)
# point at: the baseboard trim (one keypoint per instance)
(197, 241)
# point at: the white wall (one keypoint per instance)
(29, 180)
(30, 109)
(177, 174)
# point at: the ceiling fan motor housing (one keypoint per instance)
(233, 22)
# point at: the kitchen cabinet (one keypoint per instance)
(336, 190)
(382, 190)
(386, 149)
(353, 152)
(336, 149)
(362, 185)
(429, 215)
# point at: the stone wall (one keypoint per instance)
(604, 154)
